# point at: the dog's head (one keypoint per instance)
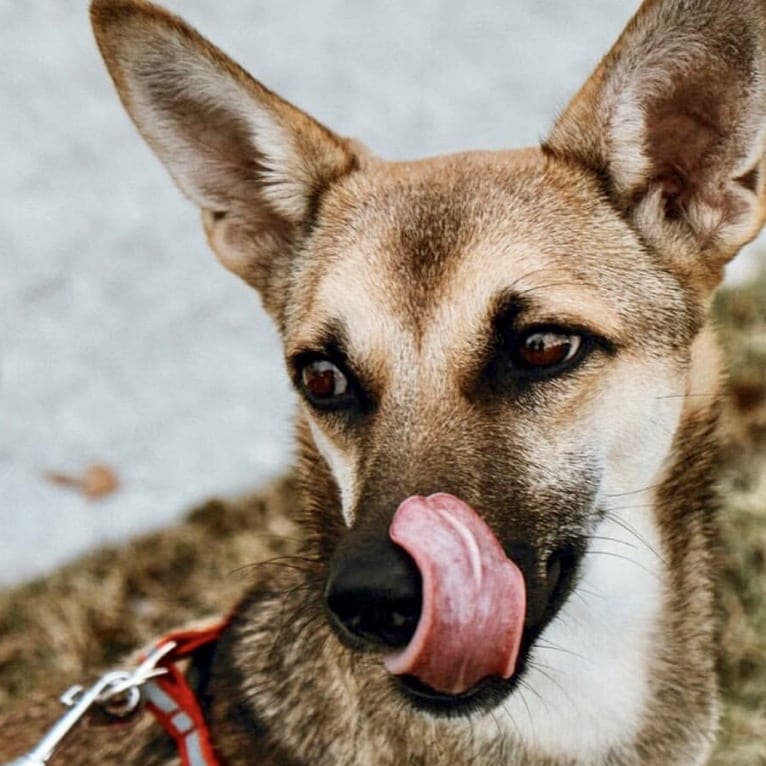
(492, 350)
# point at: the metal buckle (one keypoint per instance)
(117, 692)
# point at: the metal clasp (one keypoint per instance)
(116, 692)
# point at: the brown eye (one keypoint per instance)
(546, 348)
(323, 381)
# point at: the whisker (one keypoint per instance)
(555, 648)
(580, 593)
(528, 686)
(286, 561)
(584, 589)
(634, 491)
(545, 286)
(630, 529)
(532, 733)
(512, 719)
(612, 554)
(527, 275)
(633, 507)
(613, 540)
(542, 669)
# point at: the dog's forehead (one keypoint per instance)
(414, 253)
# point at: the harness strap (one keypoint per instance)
(173, 702)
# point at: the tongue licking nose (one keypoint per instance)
(473, 596)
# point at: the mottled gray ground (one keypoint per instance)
(121, 341)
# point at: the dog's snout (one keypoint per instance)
(375, 594)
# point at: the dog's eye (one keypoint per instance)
(323, 382)
(544, 349)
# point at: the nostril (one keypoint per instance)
(376, 598)
(376, 617)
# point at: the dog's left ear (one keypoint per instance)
(674, 121)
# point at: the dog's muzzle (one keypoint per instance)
(440, 597)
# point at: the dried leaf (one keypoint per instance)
(98, 481)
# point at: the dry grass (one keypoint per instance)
(85, 616)
(742, 321)
(90, 614)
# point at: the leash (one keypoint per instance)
(156, 682)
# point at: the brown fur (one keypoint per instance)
(417, 274)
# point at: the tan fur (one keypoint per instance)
(617, 227)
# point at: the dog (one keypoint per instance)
(509, 393)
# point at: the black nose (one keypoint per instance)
(374, 593)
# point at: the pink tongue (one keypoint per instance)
(473, 596)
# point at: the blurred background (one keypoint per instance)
(137, 377)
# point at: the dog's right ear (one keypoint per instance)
(254, 164)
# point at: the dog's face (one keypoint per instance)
(448, 333)
(512, 334)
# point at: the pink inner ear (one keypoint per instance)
(679, 146)
(474, 597)
(691, 138)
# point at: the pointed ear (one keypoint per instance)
(256, 165)
(674, 121)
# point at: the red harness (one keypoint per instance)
(173, 702)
